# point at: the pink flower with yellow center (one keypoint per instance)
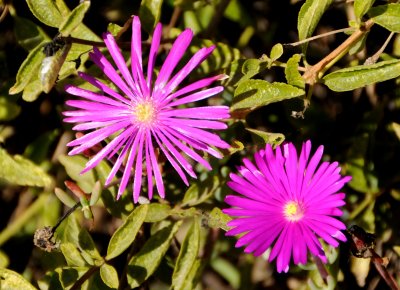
(287, 203)
(147, 113)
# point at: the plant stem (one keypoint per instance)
(320, 36)
(378, 263)
(312, 74)
(77, 285)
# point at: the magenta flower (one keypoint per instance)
(288, 202)
(144, 114)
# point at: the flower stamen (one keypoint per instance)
(145, 113)
(293, 211)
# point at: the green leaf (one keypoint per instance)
(257, 93)
(276, 51)
(33, 90)
(87, 246)
(252, 66)
(359, 45)
(236, 12)
(74, 165)
(21, 171)
(193, 277)
(222, 56)
(72, 255)
(359, 76)
(217, 219)
(8, 109)
(126, 233)
(28, 70)
(361, 7)
(227, 270)
(144, 263)
(187, 256)
(267, 137)
(199, 192)
(309, 16)
(10, 280)
(292, 73)
(109, 276)
(64, 197)
(28, 34)
(114, 28)
(72, 232)
(157, 212)
(69, 275)
(74, 19)
(46, 11)
(149, 13)
(387, 16)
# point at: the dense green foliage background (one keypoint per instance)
(340, 90)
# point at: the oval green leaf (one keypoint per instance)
(74, 165)
(144, 263)
(28, 34)
(11, 280)
(387, 16)
(28, 70)
(359, 76)
(361, 7)
(109, 276)
(149, 13)
(276, 51)
(72, 255)
(126, 233)
(74, 18)
(157, 212)
(46, 11)
(187, 256)
(292, 73)
(32, 90)
(217, 219)
(18, 170)
(309, 16)
(257, 93)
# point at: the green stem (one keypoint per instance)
(16, 225)
(363, 205)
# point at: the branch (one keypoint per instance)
(312, 73)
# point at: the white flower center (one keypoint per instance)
(145, 113)
(293, 211)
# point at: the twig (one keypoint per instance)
(376, 55)
(77, 285)
(174, 19)
(4, 13)
(311, 75)
(379, 265)
(319, 36)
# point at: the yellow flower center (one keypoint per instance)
(145, 113)
(293, 211)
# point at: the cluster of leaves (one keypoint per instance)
(178, 242)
